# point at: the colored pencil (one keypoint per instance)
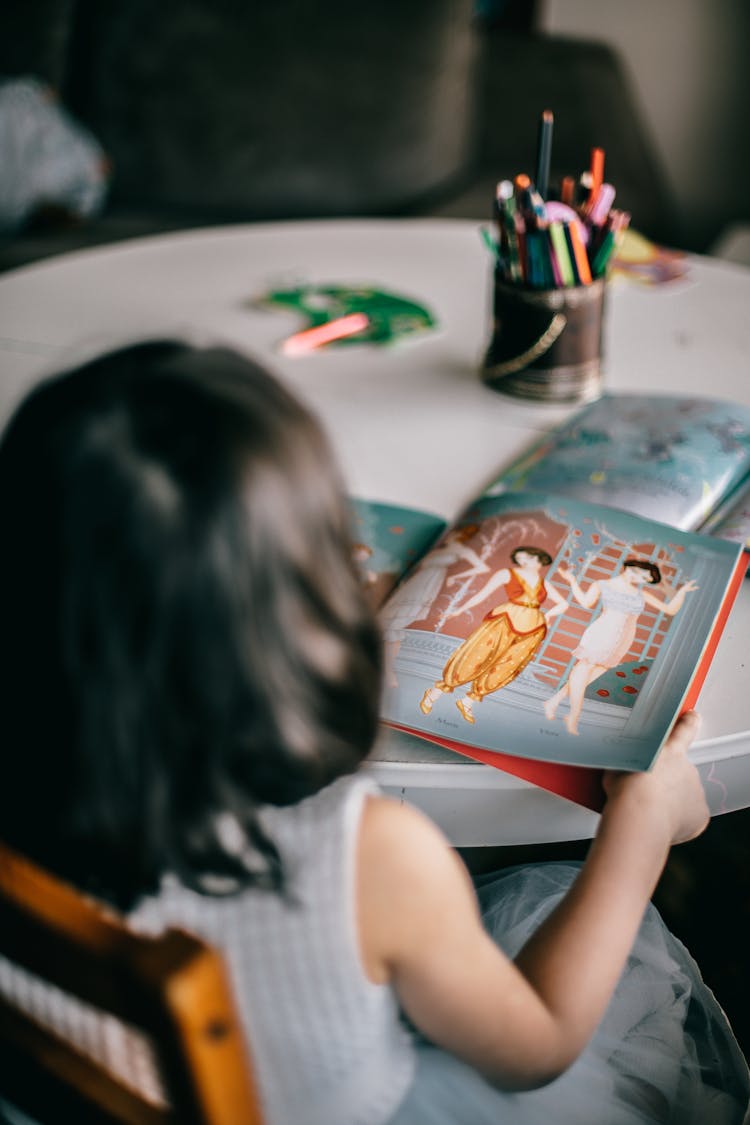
(544, 152)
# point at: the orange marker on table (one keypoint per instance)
(316, 337)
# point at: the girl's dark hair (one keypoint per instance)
(538, 552)
(183, 631)
(642, 564)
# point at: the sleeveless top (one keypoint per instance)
(327, 1044)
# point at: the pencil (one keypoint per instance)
(544, 152)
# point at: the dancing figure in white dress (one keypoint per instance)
(608, 639)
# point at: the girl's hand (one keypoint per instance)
(671, 791)
(566, 575)
(689, 586)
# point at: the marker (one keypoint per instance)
(580, 259)
(560, 248)
(544, 152)
(491, 245)
(603, 254)
(310, 338)
(565, 214)
(601, 206)
(520, 228)
(568, 190)
(597, 174)
(505, 205)
(503, 198)
(617, 224)
(535, 250)
(503, 191)
(557, 277)
(521, 184)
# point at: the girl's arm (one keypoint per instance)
(586, 599)
(499, 578)
(675, 603)
(520, 1023)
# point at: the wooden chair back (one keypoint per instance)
(165, 1045)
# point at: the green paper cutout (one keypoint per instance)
(392, 316)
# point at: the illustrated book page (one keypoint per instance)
(561, 633)
(665, 457)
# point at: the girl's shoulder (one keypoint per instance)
(333, 813)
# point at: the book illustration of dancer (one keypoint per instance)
(607, 640)
(508, 638)
(414, 597)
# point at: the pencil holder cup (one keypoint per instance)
(546, 343)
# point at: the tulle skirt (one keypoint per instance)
(664, 1051)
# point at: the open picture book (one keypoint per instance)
(560, 623)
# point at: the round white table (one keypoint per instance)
(412, 423)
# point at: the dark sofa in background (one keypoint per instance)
(223, 112)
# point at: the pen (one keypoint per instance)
(543, 152)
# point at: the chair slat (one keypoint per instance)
(172, 988)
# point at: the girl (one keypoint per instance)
(190, 679)
(606, 642)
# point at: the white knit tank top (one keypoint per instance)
(326, 1042)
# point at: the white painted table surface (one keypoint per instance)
(412, 424)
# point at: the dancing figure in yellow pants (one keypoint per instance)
(506, 641)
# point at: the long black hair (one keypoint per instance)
(183, 632)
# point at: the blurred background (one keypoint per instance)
(128, 119)
(687, 62)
